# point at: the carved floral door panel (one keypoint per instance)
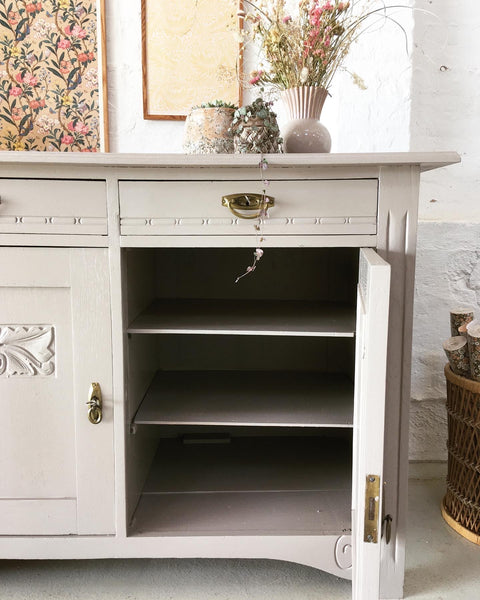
(55, 340)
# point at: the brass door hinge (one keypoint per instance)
(372, 503)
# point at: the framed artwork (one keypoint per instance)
(53, 76)
(190, 55)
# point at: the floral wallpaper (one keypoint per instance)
(49, 86)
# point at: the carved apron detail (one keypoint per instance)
(343, 552)
(27, 350)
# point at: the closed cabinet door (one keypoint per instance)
(56, 465)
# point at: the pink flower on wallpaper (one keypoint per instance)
(13, 17)
(65, 66)
(17, 114)
(82, 128)
(67, 140)
(79, 127)
(34, 104)
(75, 31)
(15, 91)
(64, 43)
(30, 79)
(78, 32)
(33, 7)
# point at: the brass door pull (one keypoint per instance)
(248, 202)
(94, 404)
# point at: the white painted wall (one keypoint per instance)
(425, 98)
(376, 119)
(360, 121)
(129, 132)
(446, 105)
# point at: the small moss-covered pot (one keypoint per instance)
(207, 131)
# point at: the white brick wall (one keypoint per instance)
(445, 114)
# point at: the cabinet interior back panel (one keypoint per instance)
(247, 353)
(318, 274)
(246, 464)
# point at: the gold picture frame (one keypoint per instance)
(190, 55)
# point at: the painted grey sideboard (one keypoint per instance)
(153, 407)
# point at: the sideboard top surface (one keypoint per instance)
(424, 160)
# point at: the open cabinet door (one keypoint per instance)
(370, 373)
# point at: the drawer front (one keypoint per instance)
(53, 206)
(326, 207)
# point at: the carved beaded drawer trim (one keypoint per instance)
(53, 206)
(288, 225)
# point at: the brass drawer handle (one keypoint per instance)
(95, 404)
(248, 202)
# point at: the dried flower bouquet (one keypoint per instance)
(306, 47)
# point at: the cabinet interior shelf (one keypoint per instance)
(251, 398)
(248, 486)
(246, 317)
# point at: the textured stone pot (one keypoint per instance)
(206, 131)
(304, 132)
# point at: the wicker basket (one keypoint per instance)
(461, 505)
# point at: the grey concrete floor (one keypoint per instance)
(441, 565)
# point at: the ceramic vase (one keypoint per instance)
(304, 132)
